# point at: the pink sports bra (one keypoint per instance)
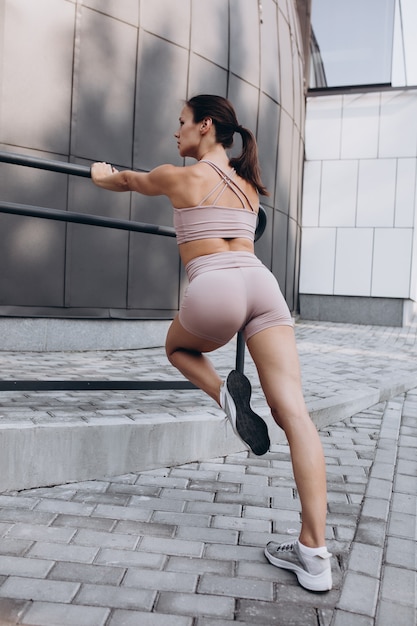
(212, 221)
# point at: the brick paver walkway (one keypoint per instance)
(183, 545)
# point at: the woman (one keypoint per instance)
(215, 212)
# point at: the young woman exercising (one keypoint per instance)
(215, 204)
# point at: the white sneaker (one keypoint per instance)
(235, 396)
(313, 572)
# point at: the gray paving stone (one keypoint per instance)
(85, 573)
(21, 566)
(242, 498)
(153, 528)
(86, 537)
(36, 532)
(163, 581)
(115, 597)
(15, 547)
(51, 614)
(155, 504)
(233, 553)
(345, 618)
(140, 514)
(404, 503)
(163, 481)
(402, 525)
(4, 528)
(208, 621)
(359, 594)
(390, 613)
(236, 587)
(196, 605)
(258, 612)
(400, 552)
(102, 498)
(166, 546)
(63, 552)
(24, 503)
(371, 531)
(377, 508)
(61, 506)
(399, 585)
(125, 558)
(38, 589)
(81, 521)
(212, 508)
(136, 618)
(365, 559)
(199, 566)
(181, 519)
(241, 524)
(208, 535)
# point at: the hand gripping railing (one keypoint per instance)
(94, 220)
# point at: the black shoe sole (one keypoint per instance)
(250, 426)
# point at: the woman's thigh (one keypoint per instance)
(274, 353)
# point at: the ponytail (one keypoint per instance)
(247, 164)
(225, 122)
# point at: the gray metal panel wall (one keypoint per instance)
(86, 80)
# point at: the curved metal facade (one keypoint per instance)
(100, 80)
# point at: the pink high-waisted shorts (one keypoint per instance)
(230, 292)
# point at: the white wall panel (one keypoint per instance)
(405, 193)
(339, 183)
(398, 125)
(392, 263)
(360, 126)
(317, 260)
(413, 279)
(323, 128)
(376, 192)
(373, 208)
(353, 261)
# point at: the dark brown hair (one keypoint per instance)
(225, 122)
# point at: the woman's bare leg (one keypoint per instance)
(275, 355)
(184, 351)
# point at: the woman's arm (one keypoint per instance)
(158, 182)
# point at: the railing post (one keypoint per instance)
(240, 352)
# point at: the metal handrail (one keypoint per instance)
(95, 220)
(45, 164)
(84, 218)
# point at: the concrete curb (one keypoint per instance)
(52, 454)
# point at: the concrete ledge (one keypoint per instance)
(337, 408)
(56, 335)
(52, 454)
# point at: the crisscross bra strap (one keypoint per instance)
(226, 181)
